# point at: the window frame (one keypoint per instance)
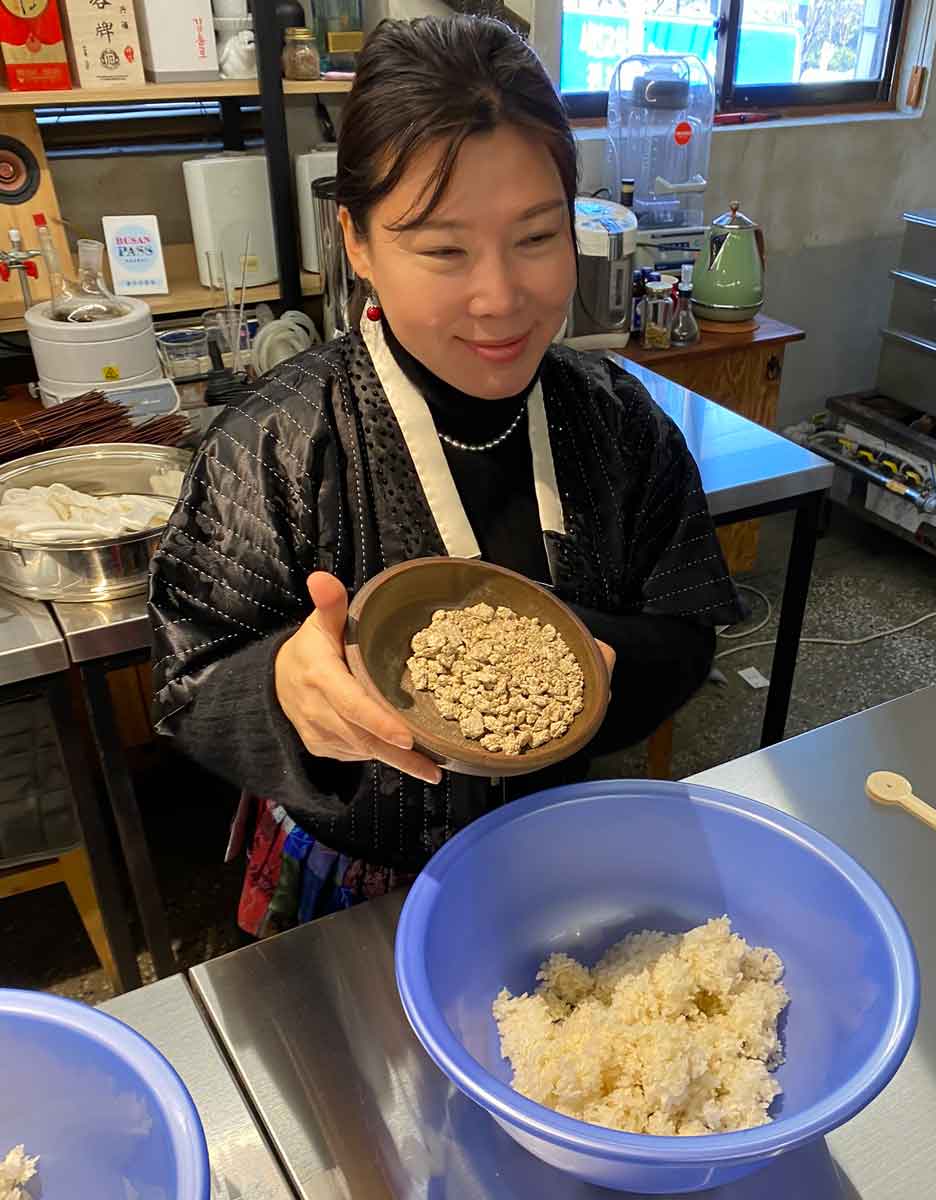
(850, 95)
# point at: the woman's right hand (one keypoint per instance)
(328, 708)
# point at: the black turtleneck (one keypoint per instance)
(661, 661)
(496, 486)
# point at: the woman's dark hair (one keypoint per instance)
(442, 80)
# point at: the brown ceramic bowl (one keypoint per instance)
(396, 604)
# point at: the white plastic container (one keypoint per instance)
(229, 198)
(72, 358)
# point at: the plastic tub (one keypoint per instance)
(107, 1115)
(575, 869)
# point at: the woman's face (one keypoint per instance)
(478, 291)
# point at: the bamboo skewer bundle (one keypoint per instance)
(84, 420)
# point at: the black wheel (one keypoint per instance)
(19, 172)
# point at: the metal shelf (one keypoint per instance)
(921, 281)
(910, 340)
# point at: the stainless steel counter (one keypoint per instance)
(101, 630)
(166, 1014)
(30, 643)
(742, 464)
(312, 1022)
(887, 1151)
(355, 1108)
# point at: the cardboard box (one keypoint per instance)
(33, 46)
(103, 43)
(178, 40)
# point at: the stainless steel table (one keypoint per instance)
(34, 660)
(242, 1165)
(94, 632)
(102, 638)
(747, 472)
(313, 1026)
(887, 1151)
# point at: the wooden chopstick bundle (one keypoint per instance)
(84, 420)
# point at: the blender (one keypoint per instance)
(660, 113)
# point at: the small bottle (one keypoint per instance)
(627, 193)
(301, 54)
(640, 287)
(656, 316)
(685, 326)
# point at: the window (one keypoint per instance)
(761, 53)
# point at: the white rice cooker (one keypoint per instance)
(600, 313)
(76, 357)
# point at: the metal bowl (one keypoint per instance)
(87, 569)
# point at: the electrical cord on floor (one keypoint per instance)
(746, 587)
(807, 641)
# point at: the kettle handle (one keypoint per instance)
(761, 247)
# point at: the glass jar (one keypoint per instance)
(341, 35)
(300, 55)
(656, 316)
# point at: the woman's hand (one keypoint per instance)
(609, 655)
(326, 705)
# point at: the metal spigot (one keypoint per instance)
(23, 261)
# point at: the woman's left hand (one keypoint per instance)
(609, 655)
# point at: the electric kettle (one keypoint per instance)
(728, 280)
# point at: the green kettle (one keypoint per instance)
(728, 280)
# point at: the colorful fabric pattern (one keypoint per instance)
(292, 878)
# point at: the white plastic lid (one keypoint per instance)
(597, 221)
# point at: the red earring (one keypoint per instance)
(374, 312)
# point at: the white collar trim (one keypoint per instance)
(416, 424)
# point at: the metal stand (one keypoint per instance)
(126, 810)
(269, 41)
(793, 606)
(792, 610)
(95, 835)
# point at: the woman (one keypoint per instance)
(449, 425)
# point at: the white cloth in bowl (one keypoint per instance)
(59, 513)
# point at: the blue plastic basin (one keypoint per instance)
(107, 1115)
(575, 869)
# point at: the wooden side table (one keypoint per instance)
(741, 371)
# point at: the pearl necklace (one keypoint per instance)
(450, 441)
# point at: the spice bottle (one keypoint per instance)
(656, 316)
(685, 326)
(640, 287)
(627, 193)
(301, 54)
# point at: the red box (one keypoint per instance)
(33, 46)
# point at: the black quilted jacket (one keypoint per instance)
(312, 473)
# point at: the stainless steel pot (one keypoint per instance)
(88, 569)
